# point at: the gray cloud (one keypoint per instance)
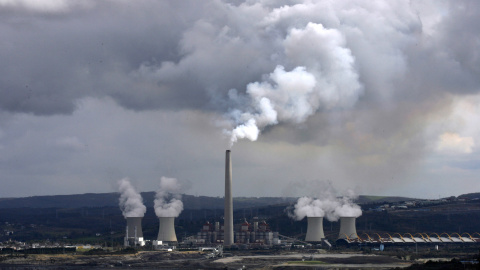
(193, 53)
(385, 73)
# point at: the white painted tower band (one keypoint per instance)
(228, 216)
(347, 228)
(314, 229)
(166, 230)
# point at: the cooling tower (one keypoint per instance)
(347, 228)
(134, 225)
(166, 230)
(134, 231)
(228, 216)
(315, 229)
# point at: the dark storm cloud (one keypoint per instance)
(52, 58)
(359, 82)
(173, 55)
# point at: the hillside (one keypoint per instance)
(189, 201)
(82, 224)
(111, 200)
(365, 199)
(470, 196)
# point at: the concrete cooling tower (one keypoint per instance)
(228, 215)
(166, 230)
(347, 228)
(134, 234)
(315, 229)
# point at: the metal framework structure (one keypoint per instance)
(406, 238)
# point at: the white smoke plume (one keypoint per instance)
(131, 202)
(332, 209)
(324, 77)
(168, 199)
(326, 204)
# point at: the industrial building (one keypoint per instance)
(258, 232)
(412, 239)
(255, 233)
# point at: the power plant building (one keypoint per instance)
(246, 233)
(256, 234)
(210, 233)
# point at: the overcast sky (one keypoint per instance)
(378, 97)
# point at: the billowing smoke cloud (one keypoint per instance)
(168, 199)
(330, 208)
(327, 204)
(325, 77)
(350, 82)
(131, 202)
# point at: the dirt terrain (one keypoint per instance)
(198, 260)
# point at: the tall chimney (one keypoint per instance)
(228, 216)
(166, 230)
(347, 228)
(315, 229)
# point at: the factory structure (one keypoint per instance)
(166, 233)
(247, 233)
(255, 233)
(258, 233)
(406, 239)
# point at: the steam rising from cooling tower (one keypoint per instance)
(330, 208)
(131, 202)
(326, 204)
(168, 206)
(168, 199)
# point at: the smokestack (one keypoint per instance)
(347, 228)
(228, 216)
(166, 230)
(134, 231)
(315, 229)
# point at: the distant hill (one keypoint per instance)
(62, 201)
(111, 199)
(470, 196)
(189, 201)
(363, 199)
